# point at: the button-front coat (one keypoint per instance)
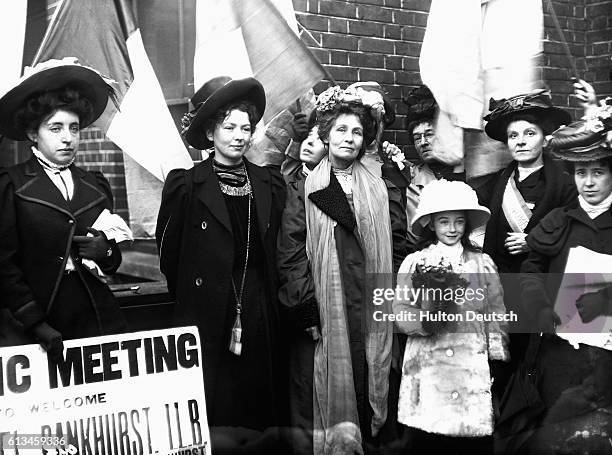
(36, 232)
(196, 245)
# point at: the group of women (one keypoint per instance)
(278, 276)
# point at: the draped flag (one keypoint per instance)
(467, 58)
(258, 38)
(104, 34)
(12, 30)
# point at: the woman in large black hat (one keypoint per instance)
(575, 369)
(519, 196)
(52, 256)
(216, 235)
(532, 184)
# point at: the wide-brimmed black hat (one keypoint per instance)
(54, 75)
(421, 104)
(585, 140)
(213, 95)
(537, 103)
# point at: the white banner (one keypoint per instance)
(132, 394)
(12, 30)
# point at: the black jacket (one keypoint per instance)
(36, 231)
(560, 191)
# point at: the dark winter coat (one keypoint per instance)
(560, 190)
(36, 231)
(574, 382)
(297, 295)
(196, 245)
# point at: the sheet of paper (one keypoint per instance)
(585, 271)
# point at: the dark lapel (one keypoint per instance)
(40, 189)
(86, 194)
(209, 192)
(260, 181)
(332, 201)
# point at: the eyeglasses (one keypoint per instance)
(429, 135)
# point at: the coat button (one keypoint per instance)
(70, 221)
(204, 225)
(449, 352)
(454, 395)
(199, 281)
(60, 259)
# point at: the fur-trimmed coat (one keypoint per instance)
(446, 382)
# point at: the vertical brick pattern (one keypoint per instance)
(97, 153)
(556, 68)
(360, 40)
(599, 45)
(381, 40)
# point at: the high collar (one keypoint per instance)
(593, 211)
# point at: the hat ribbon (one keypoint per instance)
(503, 106)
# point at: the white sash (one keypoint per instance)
(514, 206)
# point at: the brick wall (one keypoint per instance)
(361, 40)
(599, 45)
(97, 153)
(381, 40)
(556, 68)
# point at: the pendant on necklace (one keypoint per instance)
(235, 346)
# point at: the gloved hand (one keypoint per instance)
(547, 320)
(49, 338)
(299, 127)
(584, 92)
(92, 247)
(591, 305)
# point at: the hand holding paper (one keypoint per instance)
(113, 227)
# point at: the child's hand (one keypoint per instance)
(516, 243)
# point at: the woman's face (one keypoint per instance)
(57, 137)
(345, 140)
(525, 141)
(231, 137)
(593, 180)
(449, 226)
(312, 149)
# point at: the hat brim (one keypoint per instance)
(248, 89)
(478, 217)
(583, 154)
(497, 128)
(82, 79)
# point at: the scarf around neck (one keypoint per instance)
(336, 419)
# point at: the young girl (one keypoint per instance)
(445, 393)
